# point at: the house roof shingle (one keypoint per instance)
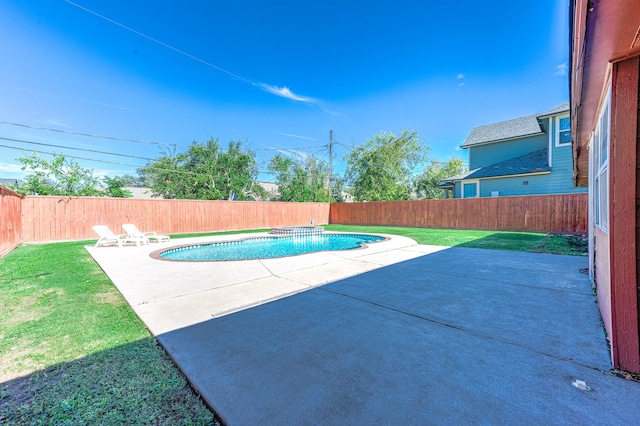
(533, 162)
(510, 129)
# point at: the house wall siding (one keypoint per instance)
(561, 178)
(485, 155)
(536, 185)
(602, 279)
(625, 340)
(510, 186)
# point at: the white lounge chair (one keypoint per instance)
(108, 237)
(133, 231)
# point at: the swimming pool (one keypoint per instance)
(266, 247)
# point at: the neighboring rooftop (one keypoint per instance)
(510, 129)
(140, 192)
(557, 110)
(5, 181)
(533, 162)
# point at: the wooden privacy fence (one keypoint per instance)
(55, 218)
(10, 220)
(564, 213)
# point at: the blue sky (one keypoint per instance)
(277, 75)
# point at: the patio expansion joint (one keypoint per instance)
(316, 265)
(469, 331)
(204, 290)
(361, 260)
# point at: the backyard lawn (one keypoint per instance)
(73, 352)
(493, 240)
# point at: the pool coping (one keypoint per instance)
(157, 254)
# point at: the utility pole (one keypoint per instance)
(330, 160)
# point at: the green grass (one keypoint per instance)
(73, 352)
(493, 240)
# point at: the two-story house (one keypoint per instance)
(523, 156)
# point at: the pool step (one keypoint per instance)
(298, 230)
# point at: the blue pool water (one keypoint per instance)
(269, 247)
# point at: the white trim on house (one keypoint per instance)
(550, 148)
(518, 175)
(600, 158)
(556, 132)
(469, 182)
(501, 140)
(547, 172)
(591, 214)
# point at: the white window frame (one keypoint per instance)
(467, 182)
(601, 185)
(557, 130)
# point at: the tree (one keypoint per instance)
(381, 169)
(58, 176)
(114, 187)
(337, 189)
(302, 180)
(130, 180)
(205, 172)
(426, 184)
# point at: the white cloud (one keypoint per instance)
(292, 135)
(72, 100)
(102, 173)
(284, 92)
(562, 70)
(12, 171)
(461, 84)
(294, 154)
(459, 76)
(11, 168)
(54, 122)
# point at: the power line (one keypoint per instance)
(350, 148)
(90, 135)
(122, 164)
(67, 132)
(164, 44)
(283, 92)
(289, 149)
(70, 156)
(77, 149)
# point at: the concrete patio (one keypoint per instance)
(395, 333)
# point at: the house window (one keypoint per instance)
(600, 145)
(563, 131)
(470, 189)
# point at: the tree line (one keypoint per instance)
(385, 167)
